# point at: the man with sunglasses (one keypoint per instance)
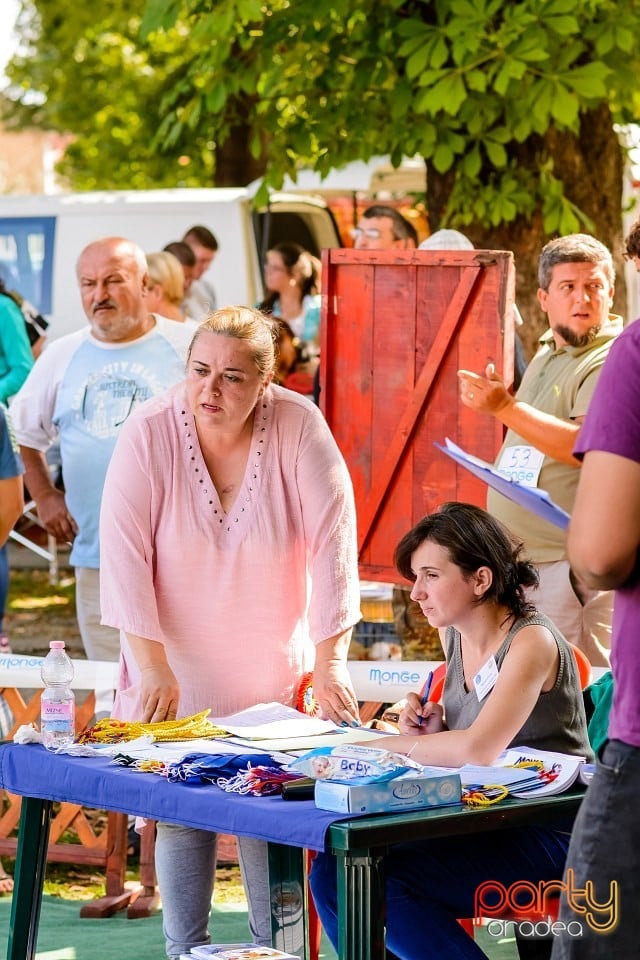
(80, 391)
(382, 228)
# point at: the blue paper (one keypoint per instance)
(531, 498)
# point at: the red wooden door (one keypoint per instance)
(397, 325)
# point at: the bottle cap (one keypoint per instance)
(56, 644)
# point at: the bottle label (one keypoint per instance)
(55, 710)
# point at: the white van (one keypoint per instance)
(42, 236)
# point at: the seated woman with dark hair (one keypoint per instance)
(511, 680)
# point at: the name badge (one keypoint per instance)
(522, 464)
(485, 678)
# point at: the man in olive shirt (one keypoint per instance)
(576, 285)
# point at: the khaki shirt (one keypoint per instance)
(559, 382)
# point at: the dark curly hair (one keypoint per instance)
(632, 241)
(474, 539)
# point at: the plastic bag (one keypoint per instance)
(352, 764)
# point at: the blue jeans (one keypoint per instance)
(605, 847)
(185, 865)
(430, 884)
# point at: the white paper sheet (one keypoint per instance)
(272, 721)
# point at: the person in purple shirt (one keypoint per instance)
(603, 548)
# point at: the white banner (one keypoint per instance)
(387, 681)
(21, 671)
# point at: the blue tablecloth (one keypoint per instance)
(31, 771)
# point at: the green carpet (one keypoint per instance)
(64, 936)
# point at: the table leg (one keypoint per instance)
(289, 899)
(31, 862)
(360, 905)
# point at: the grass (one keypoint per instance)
(38, 611)
(70, 882)
(30, 588)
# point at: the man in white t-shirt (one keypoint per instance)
(80, 392)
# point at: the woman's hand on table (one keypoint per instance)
(332, 684)
(418, 719)
(333, 691)
(159, 690)
(159, 693)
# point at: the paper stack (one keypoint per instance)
(237, 951)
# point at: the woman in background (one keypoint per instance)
(165, 292)
(16, 360)
(11, 507)
(292, 279)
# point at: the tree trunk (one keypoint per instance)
(590, 165)
(235, 164)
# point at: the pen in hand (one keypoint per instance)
(426, 690)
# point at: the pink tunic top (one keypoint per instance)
(237, 598)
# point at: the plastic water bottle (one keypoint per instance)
(58, 703)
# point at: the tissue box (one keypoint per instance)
(407, 792)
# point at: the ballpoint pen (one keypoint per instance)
(426, 690)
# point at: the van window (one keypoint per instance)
(313, 226)
(26, 258)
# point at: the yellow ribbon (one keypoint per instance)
(187, 728)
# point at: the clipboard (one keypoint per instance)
(531, 498)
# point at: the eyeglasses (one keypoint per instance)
(97, 395)
(370, 234)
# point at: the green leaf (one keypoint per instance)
(417, 62)
(472, 163)
(407, 27)
(216, 98)
(503, 79)
(428, 77)
(625, 39)
(544, 92)
(530, 47)
(443, 157)
(261, 198)
(476, 80)
(159, 15)
(496, 153)
(402, 102)
(500, 134)
(563, 25)
(557, 7)
(476, 124)
(440, 53)
(565, 107)
(569, 222)
(413, 43)
(604, 41)
(462, 8)
(429, 137)
(521, 129)
(450, 93)
(588, 81)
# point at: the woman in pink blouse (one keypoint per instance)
(229, 564)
